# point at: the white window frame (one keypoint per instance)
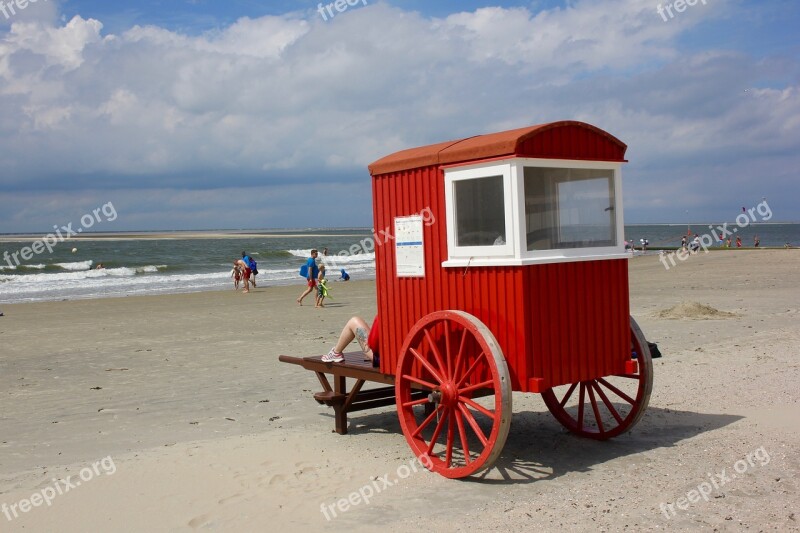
(515, 251)
(503, 252)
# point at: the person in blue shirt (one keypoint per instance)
(251, 264)
(311, 276)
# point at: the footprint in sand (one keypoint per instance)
(201, 521)
(231, 499)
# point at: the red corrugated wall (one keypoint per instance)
(572, 142)
(561, 322)
(577, 325)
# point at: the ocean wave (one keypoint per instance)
(348, 260)
(335, 259)
(80, 265)
(7, 267)
(150, 269)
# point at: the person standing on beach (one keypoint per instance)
(311, 275)
(321, 287)
(738, 242)
(756, 241)
(251, 265)
(245, 268)
(236, 274)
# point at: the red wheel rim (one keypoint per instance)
(451, 366)
(605, 407)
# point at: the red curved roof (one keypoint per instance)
(556, 140)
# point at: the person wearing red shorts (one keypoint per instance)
(245, 268)
(311, 276)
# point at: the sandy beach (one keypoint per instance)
(184, 419)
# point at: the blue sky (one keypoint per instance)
(243, 114)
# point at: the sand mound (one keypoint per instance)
(694, 310)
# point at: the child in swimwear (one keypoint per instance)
(236, 274)
(321, 286)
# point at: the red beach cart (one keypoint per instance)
(501, 268)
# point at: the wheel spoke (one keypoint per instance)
(567, 396)
(463, 435)
(476, 406)
(438, 430)
(581, 395)
(425, 423)
(427, 365)
(616, 391)
(418, 381)
(448, 352)
(412, 403)
(487, 383)
(473, 424)
(609, 405)
(595, 409)
(436, 355)
(460, 356)
(471, 370)
(448, 456)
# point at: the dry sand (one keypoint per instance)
(207, 430)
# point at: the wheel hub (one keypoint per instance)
(448, 395)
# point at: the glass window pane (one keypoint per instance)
(480, 211)
(569, 208)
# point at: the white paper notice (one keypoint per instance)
(409, 249)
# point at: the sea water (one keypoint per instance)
(143, 264)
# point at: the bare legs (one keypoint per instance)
(356, 329)
(306, 293)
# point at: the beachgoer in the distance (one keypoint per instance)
(695, 246)
(683, 243)
(245, 268)
(236, 274)
(738, 242)
(728, 243)
(345, 276)
(356, 328)
(251, 264)
(756, 241)
(311, 275)
(320, 287)
(324, 252)
(100, 266)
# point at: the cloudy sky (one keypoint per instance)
(207, 114)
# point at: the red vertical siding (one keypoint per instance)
(578, 325)
(571, 142)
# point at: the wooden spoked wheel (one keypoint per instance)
(461, 426)
(606, 407)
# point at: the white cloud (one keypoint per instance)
(279, 99)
